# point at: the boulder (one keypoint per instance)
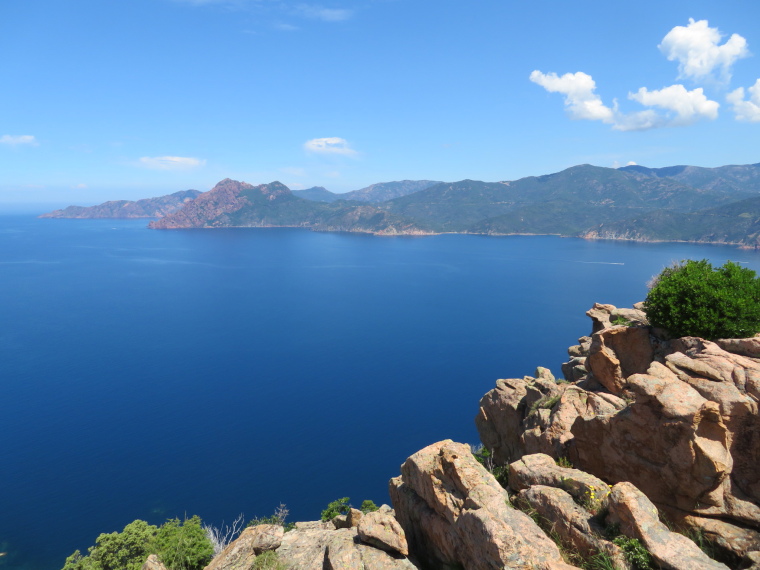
(731, 540)
(540, 469)
(383, 531)
(354, 517)
(575, 526)
(455, 514)
(618, 352)
(241, 552)
(637, 518)
(600, 316)
(153, 563)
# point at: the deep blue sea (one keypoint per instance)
(155, 374)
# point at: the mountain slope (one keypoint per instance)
(737, 223)
(317, 194)
(739, 181)
(145, 208)
(384, 191)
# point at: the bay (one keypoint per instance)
(157, 374)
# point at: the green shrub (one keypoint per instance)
(335, 508)
(126, 550)
(179, 545)
(693, 298)
(368, 507)
(183, 545)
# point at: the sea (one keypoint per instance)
(155, 374)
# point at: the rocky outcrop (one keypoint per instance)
(341, 549)
(677, 418)
(241, 553)
(455, 515)
(637, 518)
(378, 544)
(210, 208)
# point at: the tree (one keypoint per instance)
(692, 298)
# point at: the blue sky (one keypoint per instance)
(108, 99)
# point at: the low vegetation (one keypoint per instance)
(485, 458)
(342, 506)
(180, 545)
(278, 517)
(693, 298)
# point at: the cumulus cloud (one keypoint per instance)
(685, 107)
(171, 162)
(325, 14)
(749, 109)
(329, 145)
(578, 89)
(681, 107)
(696, 49)
(15, 140)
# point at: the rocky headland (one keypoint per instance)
(145, 208)
(238, 204)
(644, 456)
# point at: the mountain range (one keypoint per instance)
(679, 203)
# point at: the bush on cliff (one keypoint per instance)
(183, 545)
(692, 298)
(179, 545)
(126, 550)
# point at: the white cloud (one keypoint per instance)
(682, 107)
(286, 27)
(685, 107)
(578, 89)
(746, 110)
(15, 140)
(171, 162)
(79, 186)
(325, 14)
(696, 49)
(329, 145)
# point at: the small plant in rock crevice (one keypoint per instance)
(278, 518)
(635, 553)
(485, 458)
(564, 462)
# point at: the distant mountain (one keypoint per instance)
(239, 204)
(737, 223)
(317, 194)
(381, 192)
(732, 179)
(384, 191)
(563, 203)
(146, 208)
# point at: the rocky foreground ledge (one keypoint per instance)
(647, 439)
